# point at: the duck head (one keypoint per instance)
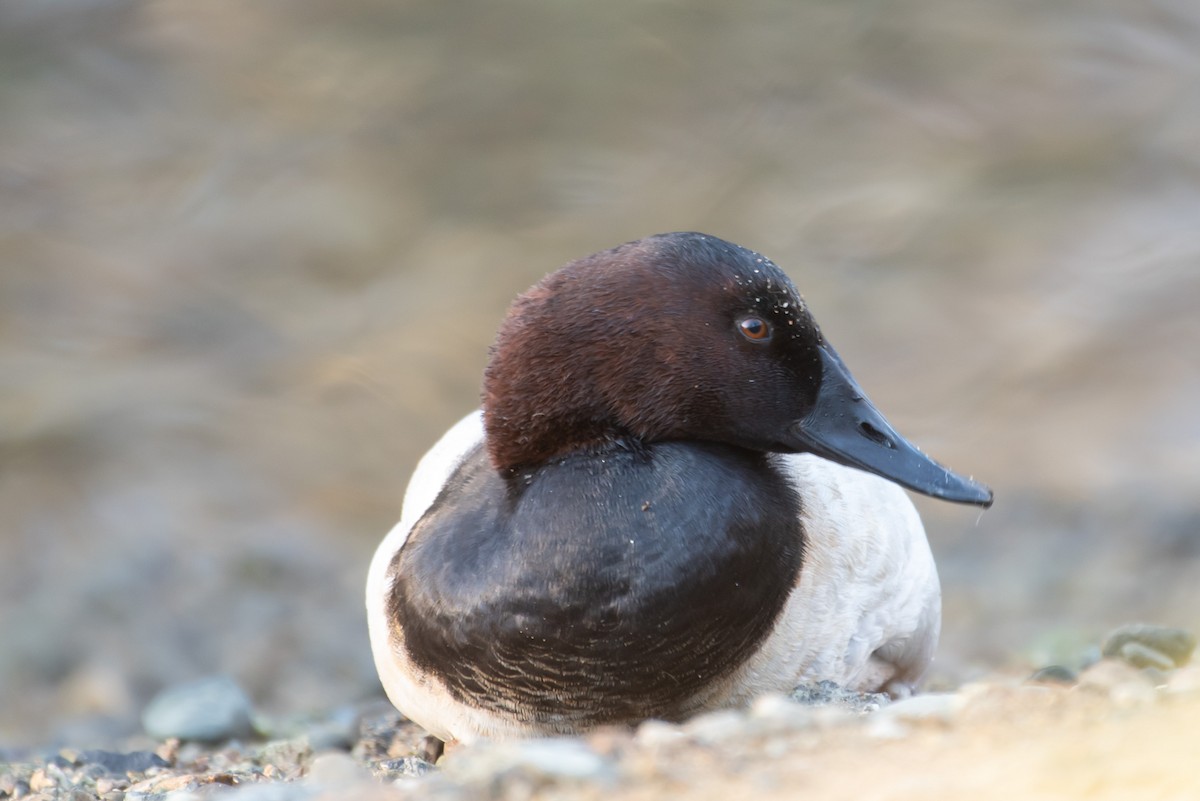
(685, 336)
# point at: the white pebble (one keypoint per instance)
(566, 758)
(658, 733)
(712, 728)
(1185, 681)
(940, 707)
(335, 768)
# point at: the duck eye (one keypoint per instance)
(755, 329)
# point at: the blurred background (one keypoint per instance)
(252, 256)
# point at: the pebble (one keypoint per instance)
(1054, 674)
(278, 791)
(658, 734)
(830, 693)
(334, 768)
(208, 710)
(1175, 644)
(714, 728)
(403, 768)
(559, 758)
(40, 781)
(1125, 685)
(1185, 681)
(1143, 656)
(887, 728)
(936, 707)
(285, 756)
(160, 785)
(781, 712)
(338, 730)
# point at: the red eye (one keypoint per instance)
(755, 329)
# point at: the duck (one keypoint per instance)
(674, 498)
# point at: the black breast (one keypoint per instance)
(601, 588)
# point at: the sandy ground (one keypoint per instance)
(1113, 736)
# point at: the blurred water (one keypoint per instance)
(251, 257)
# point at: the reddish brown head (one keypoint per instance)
(677, 336)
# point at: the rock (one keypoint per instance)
(338, 730)
(1175, 644)
(41, 781)
(887, 728)
(938, 707)
(17, 788)
(1054, 674)
(208, 710)
(279, 791)
(286, 756)
(1143, 656)
(159, 785)
(403, 768)
(1125, 685)
(780, 712)
(830, 693)
(658, 734)
(554, 759)
(1185, 681)
(334, 769)
(713, 728)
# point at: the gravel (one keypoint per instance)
(368, 751)
(828, 693)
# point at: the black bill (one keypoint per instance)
(846, 428)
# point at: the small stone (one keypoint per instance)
(830, 693)
(560, 758)
(403, 768)
(334, 768)
(286, 756)
(339, 730)
(158, 785)
(1089, 656)
(1185, 681)
(208, 710)
(657, 734)
(1143, 656)
(1054, 674)
(40, 781)
(280, 791)
(186, 794)
(886, 727)
(1125, 685)
(778, 713)
(937, 707)
(1174, 643)
(713, 728)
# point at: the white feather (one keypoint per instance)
(866, 610)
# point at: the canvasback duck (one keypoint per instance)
(675, 498)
